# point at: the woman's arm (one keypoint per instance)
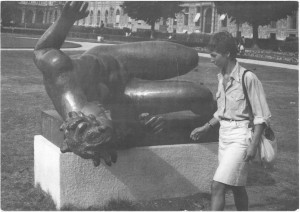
(251, 150)
(201, 131)
(260, 111)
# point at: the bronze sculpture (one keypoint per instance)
(93, 90)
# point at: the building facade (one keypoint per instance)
(196, 17)
(39, 12)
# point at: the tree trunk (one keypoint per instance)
(237, 28)
(255, 36)
(152, 30)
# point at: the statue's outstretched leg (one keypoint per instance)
(151, 60)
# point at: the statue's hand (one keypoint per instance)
(75, 10)
(155, 123)
(88, 138)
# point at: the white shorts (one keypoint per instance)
(234, 138)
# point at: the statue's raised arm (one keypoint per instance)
(85, 119)
(56, 34)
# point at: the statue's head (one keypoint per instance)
(87, 135)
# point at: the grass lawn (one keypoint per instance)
(23, 97)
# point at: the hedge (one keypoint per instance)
(291, 46)
(22, 30)
(288, 45)
(98, 30)
(192, 40)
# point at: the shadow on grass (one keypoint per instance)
(112, 205)
(43, 200)
(199, 201)
(260, 176)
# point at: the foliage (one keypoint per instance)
(256, 13)
(287, 54)
(290, 46)
(151, 11)
(98, 30)
(8, 12)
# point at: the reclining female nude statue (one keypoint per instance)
(109, 95)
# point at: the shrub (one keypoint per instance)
(290, 46)
(270, 44)
(144, 33)
(30, 31)
(193, 40)
(126, 29)
(288, 39)
(97, 30)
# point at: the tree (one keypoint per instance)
(256, 13)
(151, 11)
(8, 12)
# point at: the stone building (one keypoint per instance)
(196, 16)
(39, 12)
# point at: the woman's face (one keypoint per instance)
(220, 60)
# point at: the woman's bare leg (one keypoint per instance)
(217, 196)
(240, 197)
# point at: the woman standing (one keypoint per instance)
(236, 145)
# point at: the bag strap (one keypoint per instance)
(245, 90)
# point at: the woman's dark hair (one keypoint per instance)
(223, 42)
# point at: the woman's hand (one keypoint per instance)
(250, 153)
(252, 148)
(74, 11)
(199, 132)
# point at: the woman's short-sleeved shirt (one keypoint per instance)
(232, 102)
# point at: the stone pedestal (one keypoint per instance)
(141, 173)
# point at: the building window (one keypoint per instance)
(292, 22)
(186, 19)
(186, 16)
(272, 36)
(273, 24)
(28, 17)
(117, 16)
(208, 19)
(197, 19)
(164, 21)
(91, 17)
(186, 10)
(106, 16)
(174, 21)
(55, 15)
(39, 17)
(224, 22)
(98, 18)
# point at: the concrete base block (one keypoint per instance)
(142, 173)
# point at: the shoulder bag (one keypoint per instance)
(267, 148)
